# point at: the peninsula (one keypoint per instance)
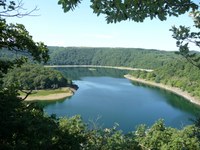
(56, 94)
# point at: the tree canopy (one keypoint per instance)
(185, 37)
(128, 57)
(31, 77)
(175, 73)
(136, 10)
(15, 37)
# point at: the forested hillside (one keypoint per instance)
(129, 57)
(177, 73)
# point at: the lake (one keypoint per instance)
(105, 97)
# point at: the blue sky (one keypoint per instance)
(83, 28)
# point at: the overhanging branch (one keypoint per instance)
(16, 10)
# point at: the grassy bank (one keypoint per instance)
(49, 94)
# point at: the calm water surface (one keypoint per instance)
(105, 97)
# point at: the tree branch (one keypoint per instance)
(27, 93)
(12, 10)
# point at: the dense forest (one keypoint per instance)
(28, 78)
(35, 77)
(129, 57)
(179, 74)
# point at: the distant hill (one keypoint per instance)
(130, 57)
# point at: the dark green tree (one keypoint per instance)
(15, 37)
(31, 77)
(185, 37)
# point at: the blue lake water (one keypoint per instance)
(106, 97)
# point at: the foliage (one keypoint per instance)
(176, 73)
(185, 37)
(136, 10)
(15, 37)
(25, 126)
(68, 4)
(129, 57)
(35, 77)
(159, 137)
(111, 138)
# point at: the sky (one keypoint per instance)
(82, 28)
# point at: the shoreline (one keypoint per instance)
(98, 66)
(51, 97)
(175, 90)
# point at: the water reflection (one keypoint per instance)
(76, 73)
(105, 93)
(174, 100)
